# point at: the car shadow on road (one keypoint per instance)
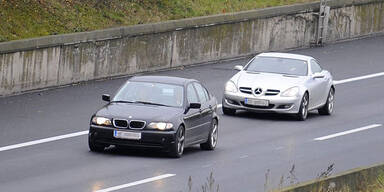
(272, 116)
(146, 152)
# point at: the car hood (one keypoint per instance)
(139, 112)
(267, 80)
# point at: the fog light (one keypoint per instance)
(231, 102)
(285, 106)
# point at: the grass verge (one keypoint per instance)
(33, 18)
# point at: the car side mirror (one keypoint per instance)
(317, 76)
(194, 105)
(106, 97)
(238, 68)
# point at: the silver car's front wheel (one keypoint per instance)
(328, 108)
(303, 110)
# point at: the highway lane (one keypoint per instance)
(249, 144)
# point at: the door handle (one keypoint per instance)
(204, 111)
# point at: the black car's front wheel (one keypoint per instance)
(212, 138)
(177, 148)
(95, 147)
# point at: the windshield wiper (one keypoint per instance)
(150, 103)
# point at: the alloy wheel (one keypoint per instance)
(180, 141)
(331, 101)
(304, 111)
(214, 136)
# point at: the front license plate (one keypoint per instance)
(256, 102)
(126, 135)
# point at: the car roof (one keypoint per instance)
(162, 79)
(286, 55)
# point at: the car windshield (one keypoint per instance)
(150, 93)
(278, 65)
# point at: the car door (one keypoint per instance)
(206, 111)
(192, 118)
(319, 84)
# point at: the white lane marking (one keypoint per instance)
(205, 166)
(9, 147)
(359, 78)
(136, 183)
(219, 105)
(279, 148)
(347, 132)
(243, 156)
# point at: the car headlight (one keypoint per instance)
(291, 92)
(230, 87)
(101, 121)
(160, 125)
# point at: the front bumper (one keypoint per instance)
(149, 139)
(277, 103)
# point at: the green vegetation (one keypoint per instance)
(32, 18)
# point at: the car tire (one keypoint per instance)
(177, 148)
(303, 110)
(212, 137)
(327, 109)
(94, 146)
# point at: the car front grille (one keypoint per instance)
(247, 90)
(133, 124)
(271, 92)
(136, 124)
(120, 123)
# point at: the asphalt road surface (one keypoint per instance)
(254, 152)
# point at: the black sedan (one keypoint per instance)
(168, 113)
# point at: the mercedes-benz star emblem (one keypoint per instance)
(258, 91)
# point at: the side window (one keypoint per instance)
(206, 93)
(201, 92)
(191, 94)
(315, 67)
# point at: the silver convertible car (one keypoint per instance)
(281, 83)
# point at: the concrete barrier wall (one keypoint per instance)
(369, 179)
(64, 59)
